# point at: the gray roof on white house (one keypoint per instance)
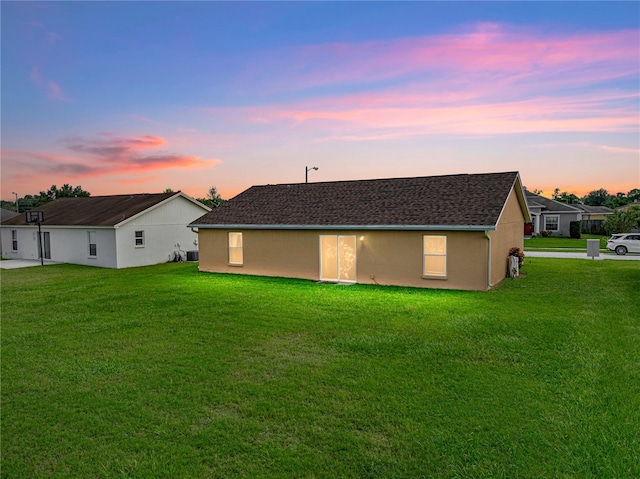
(6, 214)
(598, 210)
(548, 205)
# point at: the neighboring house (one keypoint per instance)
(451, 232)
(117, 231)
(551, 216)
(627, 207)
(593, 218)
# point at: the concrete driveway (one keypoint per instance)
(22, 263)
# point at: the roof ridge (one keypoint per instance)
(514, 172)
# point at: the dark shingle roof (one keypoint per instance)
(455, 200)
(93, 210)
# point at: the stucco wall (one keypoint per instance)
(509, 233)
(392, 257)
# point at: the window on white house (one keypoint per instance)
(93, 246)
(235, 249)
(552, 223)
(14, 240)
(434, 256)
(139, 238)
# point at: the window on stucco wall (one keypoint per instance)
(434, 256)
(236, 256)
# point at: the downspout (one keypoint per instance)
(486, 233)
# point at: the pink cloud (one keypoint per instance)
(52, 89)
(486, 51)
(389, 115)
(488, 80)
(103, 157)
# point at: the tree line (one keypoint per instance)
(29, 202)
(599, 197)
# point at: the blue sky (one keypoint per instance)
(128, 97)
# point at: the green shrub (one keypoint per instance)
(574, 229)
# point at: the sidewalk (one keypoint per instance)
(560, 254)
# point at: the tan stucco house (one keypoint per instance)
(450, 232)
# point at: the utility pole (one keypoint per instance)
(17, 206)
(306, 172)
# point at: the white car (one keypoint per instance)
(623, 243)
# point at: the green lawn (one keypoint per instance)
(167, 372)
(552, 243)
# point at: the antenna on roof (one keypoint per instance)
(306, 172)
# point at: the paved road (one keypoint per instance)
(560, 254)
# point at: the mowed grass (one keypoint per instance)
(167, 372)
(555, 243)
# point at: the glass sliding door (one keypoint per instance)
(338, 258)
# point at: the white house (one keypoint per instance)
(118, 231)
(551, 216)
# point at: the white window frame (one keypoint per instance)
(431, 254)
(233, 250)
(548, 217)
(14, 240)
(92, 235)
(139, 239)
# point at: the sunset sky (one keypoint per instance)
(133, 97)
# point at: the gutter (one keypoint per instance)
(345, 227)
(486, 234)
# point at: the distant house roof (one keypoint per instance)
(96, 211)
(599, 210)
(550, 206)
(627, 207)
(6, 214)
(455, 201)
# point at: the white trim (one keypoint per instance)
(557, 217)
